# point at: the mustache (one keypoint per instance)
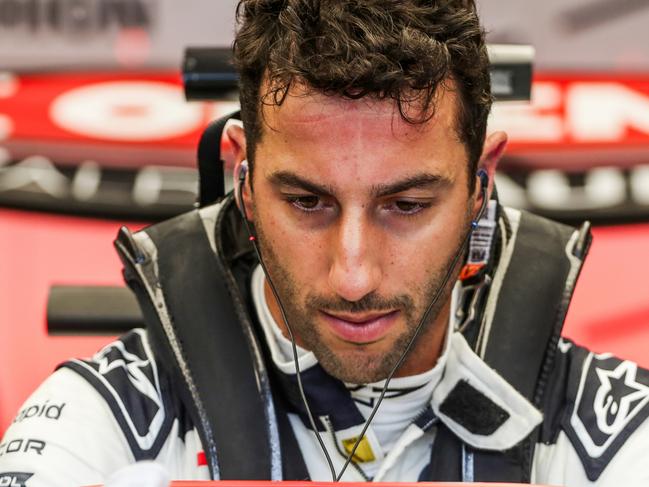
(369, 303)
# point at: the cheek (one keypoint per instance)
(301, 254)
(414, 258)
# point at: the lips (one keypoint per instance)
(360, 328)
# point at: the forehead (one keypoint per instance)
(309, 115)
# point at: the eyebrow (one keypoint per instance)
(287, 178)
(417, 181)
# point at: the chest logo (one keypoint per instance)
(363, 453)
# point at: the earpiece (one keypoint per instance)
(484, 186)
(243, 171)
(484, 179)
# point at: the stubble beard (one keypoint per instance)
(355, 365)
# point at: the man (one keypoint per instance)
(364, 170)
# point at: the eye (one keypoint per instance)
(407, 207)
(307, 203)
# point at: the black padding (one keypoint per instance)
(445, 460)
(217, 353)
(92, 310)
(522, 342)
(489, 466)
(209, 73)
(474, 411)
(529, 303)
(513, 465)
(526, 327)
(210, 164)
(208, 319)
(511, 81)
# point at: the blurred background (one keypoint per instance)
(95, 133)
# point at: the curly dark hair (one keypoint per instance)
(385, 49)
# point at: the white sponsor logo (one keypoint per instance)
(22, 445)
(43, 410)
(135, 111)
(582, 112)
(149, 186)
(73, 18)
(602, 188)
(38, 171)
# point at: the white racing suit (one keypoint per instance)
(589, 427)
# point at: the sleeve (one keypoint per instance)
(629, 467)
(560, 464)
(65, 434)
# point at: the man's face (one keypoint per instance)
(359, 215)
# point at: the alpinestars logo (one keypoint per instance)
(125, 373)
(612, 400)
(619, 397)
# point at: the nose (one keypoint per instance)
(355, 269)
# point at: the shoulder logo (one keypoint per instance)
(116, 360)
(619, 398)
(125, 374)
(612, 401)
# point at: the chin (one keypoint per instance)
(356, 367)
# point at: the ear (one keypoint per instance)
(493, 149)
(236, 139)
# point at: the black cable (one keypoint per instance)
(449, 272)
(242, 176)
(432, 303)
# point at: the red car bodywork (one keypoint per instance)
(610, 311)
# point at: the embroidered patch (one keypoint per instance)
(125, 374)
(472, 410)
(612, 401)
(363, 453)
